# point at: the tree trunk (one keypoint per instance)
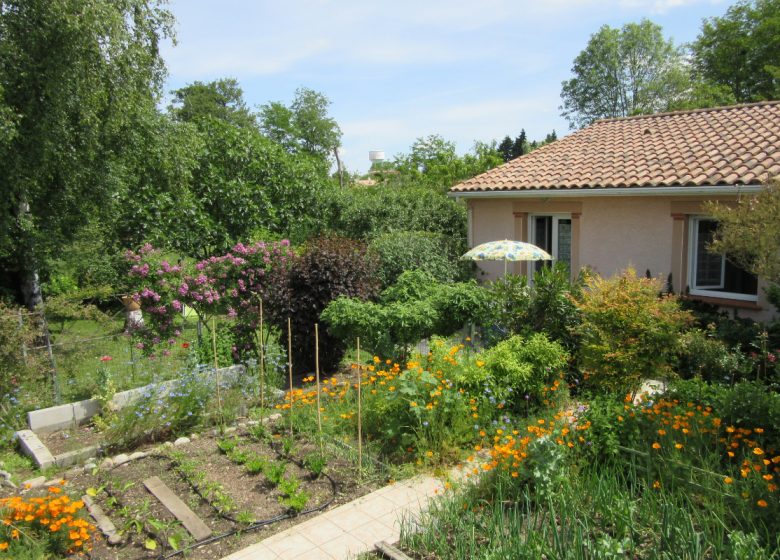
(31, 287)
(339, 167)
(30, 284)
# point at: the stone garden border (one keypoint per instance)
(71, 415)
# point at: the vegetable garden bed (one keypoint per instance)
(244, 486)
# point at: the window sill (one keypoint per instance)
(725, 302)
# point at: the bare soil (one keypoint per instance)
(140, 516)
(71, 440)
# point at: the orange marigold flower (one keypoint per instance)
(762, 503)
(728, 480)
(758, 451)
(3, 546)
(656, 445)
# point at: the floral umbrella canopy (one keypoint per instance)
(507, 250)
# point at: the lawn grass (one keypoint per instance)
(79, 346)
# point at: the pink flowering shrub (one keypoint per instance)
(230, 284)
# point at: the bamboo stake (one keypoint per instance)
(262, 363)
(359, 415)
(216, 369)
(317, 373)
(289, 369)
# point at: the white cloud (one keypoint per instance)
(230, 58)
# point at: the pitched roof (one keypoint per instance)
(735, 145)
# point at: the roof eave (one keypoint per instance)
(707, 190)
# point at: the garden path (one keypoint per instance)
(350, 529)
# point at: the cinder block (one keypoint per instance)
(34, 448)
(51, 419)
(76, 456)
(126, 398)
(84, 410)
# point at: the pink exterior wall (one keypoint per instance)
(490, 220)
(610, 234)
(621, 232)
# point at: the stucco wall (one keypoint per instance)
(618, 232)
(490, 220)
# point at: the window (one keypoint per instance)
(553, 234)
(712, 274)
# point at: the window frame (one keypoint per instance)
(703, 291)
(556, 217)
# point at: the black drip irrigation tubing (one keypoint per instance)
(255, 525)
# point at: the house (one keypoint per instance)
(629, 191)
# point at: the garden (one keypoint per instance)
(593, 418)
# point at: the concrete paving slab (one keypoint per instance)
(350, 529)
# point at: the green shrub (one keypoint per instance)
(514, 307)
(414, 308)
(506, 310)
(552, 308)
(519, 369)
(24, 381)
(703, 354)
(365, 213)
(627, 332)
(434, 253)
(226, 341)
(163, 411)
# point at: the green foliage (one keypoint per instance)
(304, 127)
(628, 332)
(416, 307)
(95, 63)
(162, 411)
(552, 308)
(419, 411)
(255, 465)
(244, 184)
(226, 446)
(326, 269)
(417, 250)
(367, 212)
(221, 99)
(295, 501)
(24, 383)
(315, 463)
(433, 163)
(706, 356)
(226, 341)
(749, 232)
(739, 50)
(274, 472)
(548, 306)
(623, 72)
(519, 368)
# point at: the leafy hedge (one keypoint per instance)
(415, 308)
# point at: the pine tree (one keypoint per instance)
(505, 148)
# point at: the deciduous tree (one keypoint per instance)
(622, 72)
(74, 73)
(221, 99)
(741, 50)
(749, 233)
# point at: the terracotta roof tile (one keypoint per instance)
(721, 146)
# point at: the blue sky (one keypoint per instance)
(395, 71)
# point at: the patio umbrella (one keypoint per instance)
(507, 250)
